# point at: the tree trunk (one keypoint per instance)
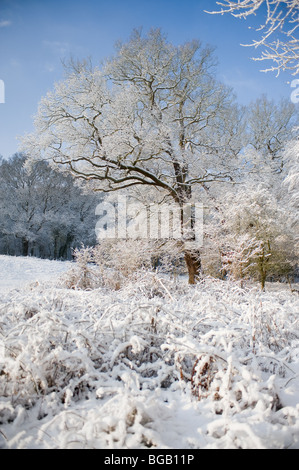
(263, 280)
(64, 249)
(25, 246)
(192, 255)
(263, 264)
(193, 263)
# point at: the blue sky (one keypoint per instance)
(36, 35)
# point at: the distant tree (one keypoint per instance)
(291, 161)
(270, 126)
(42, 210)
(291, 183)
(279, 30)
(154, 117)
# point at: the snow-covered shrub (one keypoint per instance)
(83, 274)
(119, 260)
(114, 263)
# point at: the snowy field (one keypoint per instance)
(156, 364)
(19, 272)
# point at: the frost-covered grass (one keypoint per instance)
(155, 364)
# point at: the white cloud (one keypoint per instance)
(15, 63)
(49, 67)
(4, 23)
(57, 47)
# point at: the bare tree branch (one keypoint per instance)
(282, 20)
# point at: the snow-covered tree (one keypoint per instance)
(291, 184)
(251, 232)
(260, 217)
(279, 36)
(270, 126)
(42, 210)
(291, 161)
(153, 117)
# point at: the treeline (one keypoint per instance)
(43, 212)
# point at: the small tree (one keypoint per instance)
(260, 240)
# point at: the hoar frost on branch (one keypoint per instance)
(282, 19)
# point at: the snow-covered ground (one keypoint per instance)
(17, 272)
(153, 365)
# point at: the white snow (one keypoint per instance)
(17, 272)
(210, 366)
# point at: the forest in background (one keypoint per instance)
(43, 213)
